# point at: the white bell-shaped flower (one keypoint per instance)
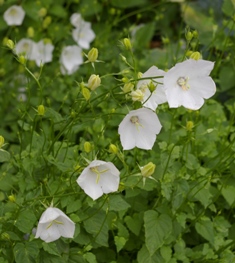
(44, 52)
(99, 178)
(70, 59)
(28, 48)
(154, 77)
(76, 20)
(188, 83)
(14, 15)
(139, 129)
(53, 224)
(83, 35)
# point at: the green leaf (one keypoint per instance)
(4, 156)
(228, 7)
(119, 242)
(117, 203)
(227, 77)
(157, 229)
(205, 228)
(228, 193)
(134, 223)
(144, 35)
(26, 253)
(58, 10)
(145, 257)
(51, 248)
(26, 221)
(126, 4)
(166, 253)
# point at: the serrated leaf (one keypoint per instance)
(4, 156)
(119, 242)
(157, 229)
(205, 228)
(51, 248)
(26, 221)
(25, 253)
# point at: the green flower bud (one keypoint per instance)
(113, 148)
(46, 22)
(22, 59)
(196, 55)
(85, 92)
(94, 82)
(189, 36)
(148, 169)
(151, 86)
(92, 54)
(41, 110)
(195, 34)
(30, 32)
(128, 87)
(127, 43)
(87, 147)
(139, 75)
(12, 198)
(2, 140)
(189, 125)
(10, 44)
(42, 12)
(137, 95)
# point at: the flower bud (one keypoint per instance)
(30, 32)
(85, 92)
(93, 54)
(2, 140)
(196, 55)
(139, 75)
(22, 59)
(128, 87)
(151, 86)
(137, 95)
(94, 82)
(148, 169)
(165, 40)
(10, 44)
(42, 12)
(195, 34)
(189, 125)
(113, 148)
(189, 36)
(5, 236)
(12, 198)
(46, 22)
(127, 43)
(41, 110)
(87, 147)
(125, 79)
(189, 53)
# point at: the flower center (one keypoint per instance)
(135, 120)
(54, 222)
(13, 12)
(95, 170)
(183, 83)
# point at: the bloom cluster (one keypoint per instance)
(186, 84)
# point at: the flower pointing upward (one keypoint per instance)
(188, 83)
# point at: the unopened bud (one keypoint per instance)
(128, 87)
(41, 110)
(148, 169)
(10, 44)
(22, 59)
(87, 147)
(5, 236)
(139, 75)
(113, 148)
(125, 79)
(94, 82)
(42, 12)
(85, 92)
(195, 34)
(46, 22)
(2, 140)
(137, 95)
(12, 198)
(92, 54)
(189, 35)
(127, 43)
(189, 125)
(30, 32)
(196, 55)
(151, 86)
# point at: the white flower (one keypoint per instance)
(28, 48)
(14, 15)
(83, 35)
(76, 20)
(70, 59)
(158, 95)
(188, 84)
(99, 178)
(53, 224)
(44, 52)
(139, 129)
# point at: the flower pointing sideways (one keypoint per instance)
(53, 224)
(188, 83)
(139, 129)
(14, 15)
(99, 178)
(152, 82)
